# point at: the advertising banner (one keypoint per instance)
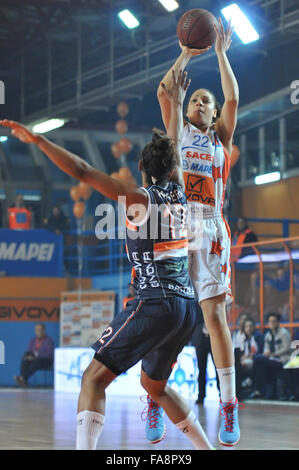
(31, 253)
(29, 310)
(84, 316)
(70, 364)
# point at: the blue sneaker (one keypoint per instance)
(229, 433)
(155, 428)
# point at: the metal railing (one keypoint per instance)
(271, 279)
(104, 256)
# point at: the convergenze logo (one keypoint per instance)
(2, 352)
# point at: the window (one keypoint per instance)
(292, 140)
(272, 156)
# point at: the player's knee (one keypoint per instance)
(144, 382)
(216, 320)
(154, 391)
(90, 379)
(86, 380)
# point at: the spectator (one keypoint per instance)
(274, 287)
(291, 375)
(40, 355)
(242, 235)
(286, 310)
(267, 367)
(237, 344)
(250, 344)
(19, 217)
(237, 335)
(131, 295)
(57, 222)
(201, 342)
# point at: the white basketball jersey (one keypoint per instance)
(206, 167)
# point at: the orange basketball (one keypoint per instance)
(195, 29)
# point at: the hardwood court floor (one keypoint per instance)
(43, 419)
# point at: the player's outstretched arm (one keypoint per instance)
(77, 167)
(175, 93)
(227, 122)
(179, 64)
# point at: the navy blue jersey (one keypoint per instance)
(157, 247)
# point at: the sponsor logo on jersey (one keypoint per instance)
(182, 290)
(200, 168)
(195, 183)
(203, 156)
(185, 165)
(200, 189)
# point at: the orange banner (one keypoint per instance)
(29, 309)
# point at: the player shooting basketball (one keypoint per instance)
(206, 147)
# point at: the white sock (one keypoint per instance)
(89, 427)
(193, 430)
(227, 380)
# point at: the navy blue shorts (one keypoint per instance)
(152, 330)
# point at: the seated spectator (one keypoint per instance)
(242, 235)
(291, 375)
(238, 334)
(19, 217)
(40, 355)
(250, 343)
(131, 295)
(267, 367)
(57, 222)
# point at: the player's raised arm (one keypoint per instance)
(175, 94)
(179, 64)
(77, 167)
(227, 122)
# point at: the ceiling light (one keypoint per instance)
(48, 125)
(241, 23)
(128, 19)
(267, 178)
(169, 5)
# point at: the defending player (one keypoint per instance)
(206, 147)
(160, 321)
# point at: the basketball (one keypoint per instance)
(195, 29)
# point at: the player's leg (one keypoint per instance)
(221, 344)
(211, 278)
(91, 404)
(177, 410)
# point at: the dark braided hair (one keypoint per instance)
(158, 158)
